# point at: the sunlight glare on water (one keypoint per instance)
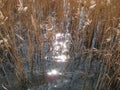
(61, 58)
(53, 72)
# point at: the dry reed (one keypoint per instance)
(95, 32)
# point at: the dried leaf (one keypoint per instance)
(92, 6)
(19, 37)
(4, 87)
(1, 16)
(33, 22)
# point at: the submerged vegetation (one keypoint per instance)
(27, 28)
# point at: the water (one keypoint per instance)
(62, 70)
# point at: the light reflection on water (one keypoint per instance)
(60, 57)
(53, 72)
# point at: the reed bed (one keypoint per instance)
(93, 24)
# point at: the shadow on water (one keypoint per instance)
(14, 84)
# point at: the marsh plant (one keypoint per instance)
(27, 28)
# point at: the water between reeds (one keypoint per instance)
(63, 54)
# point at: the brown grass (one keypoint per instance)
(101, 21)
